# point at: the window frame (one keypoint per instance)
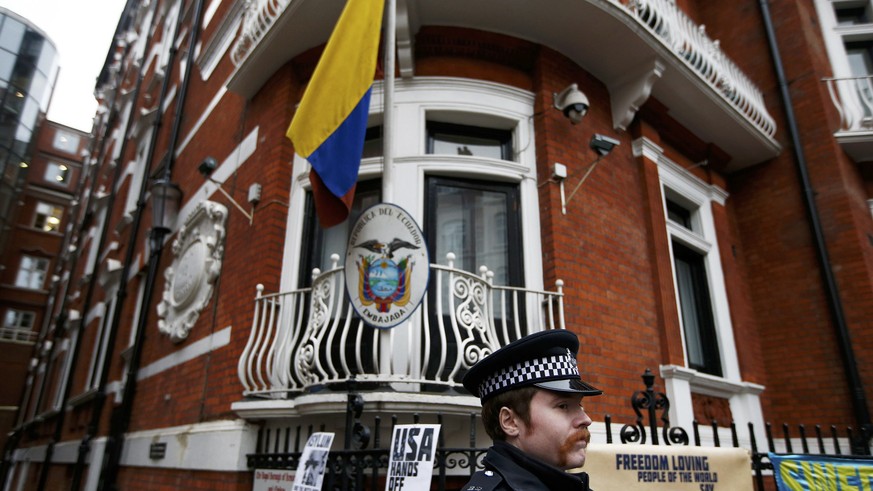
(698, 197)
(31, 271)
(444, 100)
(40, 219)
(54, 170)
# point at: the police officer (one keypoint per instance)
(532, 397)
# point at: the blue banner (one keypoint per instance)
(818, 473)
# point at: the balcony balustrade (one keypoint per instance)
(853, 98)
(259, 16)
(311, 338)
(18, 335)
(689, 42)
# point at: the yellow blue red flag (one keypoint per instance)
(329, 126)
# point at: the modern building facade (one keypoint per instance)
(705, 215)
(28, 71)
(32, 200)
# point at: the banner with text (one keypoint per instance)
(272, 480)
(410, 465)
(310, 470)
(819, 473)
(614, 467)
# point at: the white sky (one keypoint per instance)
(82, 31)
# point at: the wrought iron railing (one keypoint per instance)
(689, 42)
(312, 337)
(362, 463)
(853, 98)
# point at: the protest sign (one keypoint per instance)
(411, 461)
(813, 472)
(629, 467)
(310, 471)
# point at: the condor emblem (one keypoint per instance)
(386, 266)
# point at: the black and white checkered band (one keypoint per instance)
(555, 367)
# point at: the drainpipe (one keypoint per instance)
(859, 401)
(121, 418)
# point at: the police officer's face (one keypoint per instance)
(558, 429)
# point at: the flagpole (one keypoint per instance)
(387, 335)
(388, 101)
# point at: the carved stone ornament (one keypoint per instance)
(188, 285)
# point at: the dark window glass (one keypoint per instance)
(373, 144)
(479, 222)
(701, 343)
(852, 16)
(678, 214)
(456, 139)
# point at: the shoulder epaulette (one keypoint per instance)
(483, 481)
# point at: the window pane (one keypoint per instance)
(468, 225)
(701, 344)
(31, 273)
(18, 319)
(11, 34)
(66, 142)
(7, 61)
(57, 173)
(455, 139)
(48, 217)
(373, 144)
(678, 214)
(851, 16)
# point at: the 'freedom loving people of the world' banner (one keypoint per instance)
(816, 473)
(614, 467)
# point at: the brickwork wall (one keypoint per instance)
(134, 479)
(785, 281)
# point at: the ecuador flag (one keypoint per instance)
(329, 126)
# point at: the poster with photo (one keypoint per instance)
(313, 462)
(411, 462)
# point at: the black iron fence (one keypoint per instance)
(361, 464)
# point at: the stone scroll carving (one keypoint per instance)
(198, 251)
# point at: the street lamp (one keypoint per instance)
(165, 199)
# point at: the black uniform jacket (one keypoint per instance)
(509, 469)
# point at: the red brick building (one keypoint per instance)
(30, 278)
(704, 215)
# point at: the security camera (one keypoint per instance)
(207, 166)
(572, 102)
(602, 144)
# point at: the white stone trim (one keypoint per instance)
(194, 350)
(681, 382)
(743, 397)
(212, 446)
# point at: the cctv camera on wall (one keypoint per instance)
(572, 102)
(602, 144)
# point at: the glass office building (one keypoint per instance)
(28, 72)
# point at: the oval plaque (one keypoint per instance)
(386, 265)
